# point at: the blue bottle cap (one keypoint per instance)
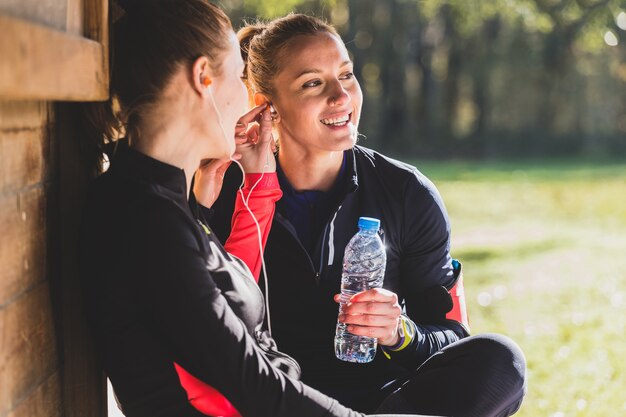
(369, 223)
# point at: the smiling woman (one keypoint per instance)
(301, 65)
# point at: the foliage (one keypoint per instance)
(481, 78)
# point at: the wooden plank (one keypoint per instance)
(96, 27)
(44, 401)
(39, 63)
(23, 164)
(29, 354)
(23, 253)
(75, 17)
(96, 18)
(20, 115)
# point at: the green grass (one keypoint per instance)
(543, 245)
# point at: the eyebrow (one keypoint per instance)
(317, 71)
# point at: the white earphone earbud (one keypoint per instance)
(273, 112)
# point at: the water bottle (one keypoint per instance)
(363, 269)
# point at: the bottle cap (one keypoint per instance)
(369, 223)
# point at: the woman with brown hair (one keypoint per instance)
(167, 304)
(300, 65)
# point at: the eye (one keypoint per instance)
(310, 84)
(347, 76)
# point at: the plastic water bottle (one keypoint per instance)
(363, 269)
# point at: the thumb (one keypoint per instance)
(212, 166)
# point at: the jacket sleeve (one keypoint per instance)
(195, 323)
(261, 194)
(427, 275)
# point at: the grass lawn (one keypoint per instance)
(543, 244)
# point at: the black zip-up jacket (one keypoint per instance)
(160, 290)
(416, 233)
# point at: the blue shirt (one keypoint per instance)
(309, 210)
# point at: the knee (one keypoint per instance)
(502, 366)
(498, 354)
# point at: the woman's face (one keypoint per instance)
(317, 97)
(231, 98)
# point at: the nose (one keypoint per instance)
(338, 95)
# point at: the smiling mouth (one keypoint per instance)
(337, 121)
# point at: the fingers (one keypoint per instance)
(265, 127)
(214, 166)
(372, 308)
(380, 295)
(250, 116)
(252, 134)
(369, 320)
(380, 333)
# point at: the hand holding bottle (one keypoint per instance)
(373, 313)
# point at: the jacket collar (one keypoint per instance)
(348, 173)
(353, 175)
(135, 164)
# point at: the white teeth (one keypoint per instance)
(337, 121)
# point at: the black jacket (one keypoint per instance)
(160, 290)
(416, 232)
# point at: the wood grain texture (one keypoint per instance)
(21, 115)
(43, 401)
(23, 253)
(40, 63)
(29, 352)
(22, 155)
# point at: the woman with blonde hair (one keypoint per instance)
(428, 362)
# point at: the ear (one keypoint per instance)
(260, 98)
(201, 75)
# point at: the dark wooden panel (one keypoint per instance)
(84, 388)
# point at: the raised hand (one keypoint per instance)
(255, 142)
(208, 180)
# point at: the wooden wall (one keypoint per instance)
(29, 360)
(51, 52)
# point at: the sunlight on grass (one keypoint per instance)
(544, 251)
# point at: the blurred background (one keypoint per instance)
(471, 78)
(516, 109)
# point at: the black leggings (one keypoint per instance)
(479, 376)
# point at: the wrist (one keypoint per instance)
(265, 181)
(406, 332)
(397, 339)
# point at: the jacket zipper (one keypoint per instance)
(329, 224)
(319, 271)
